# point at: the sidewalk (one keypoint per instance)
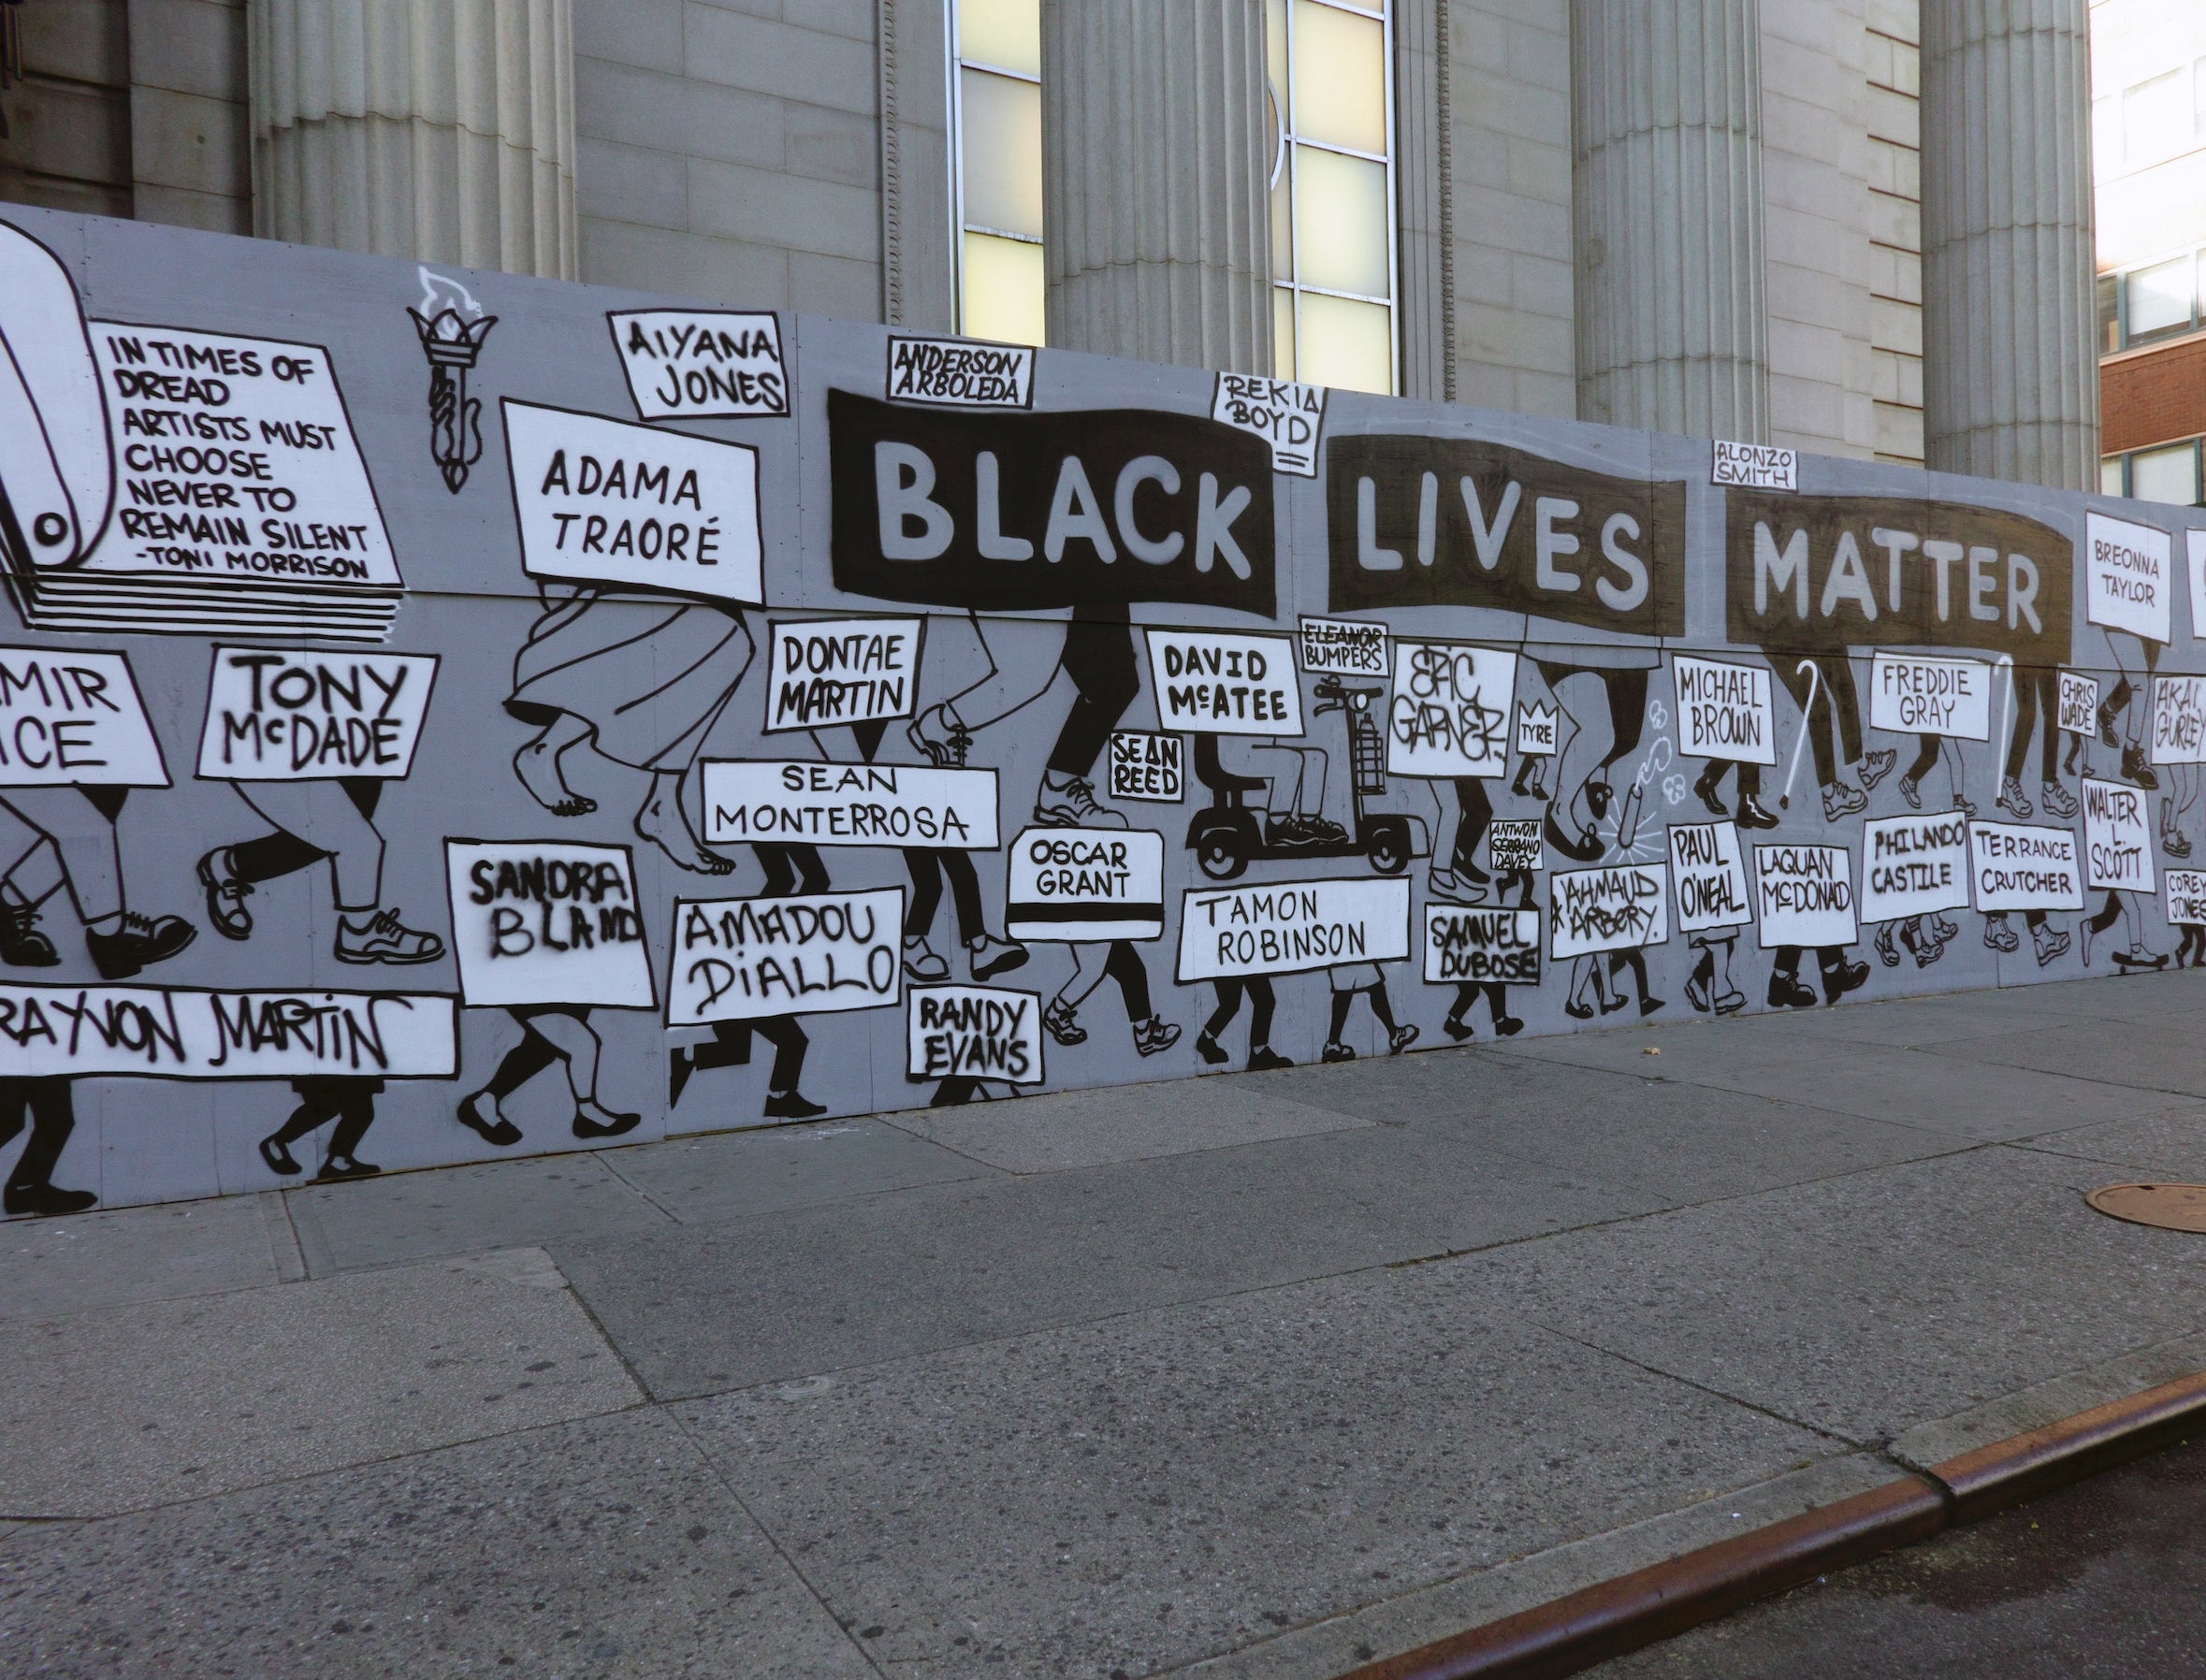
(1263, 1375)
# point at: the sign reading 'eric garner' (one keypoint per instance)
(745, 959)
(74, 717)
(847, 804)
(1287, 926)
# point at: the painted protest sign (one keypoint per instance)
(804, 801)
(829, 671)
(1804, 895)
(74, 717)
(2017, 867)
(959, 373)
(1709, 872)
(2117, 838)
(2185, 891)
(604, 502)
(1148, 768)
(1347, 646)
(546, 921)
(80, 1032)
(1285, 927)
(1080, 885)
(745, 959)
(1923, 696)
(1754, 466)
(1538, 729)
(1512, 844)
(1286, 415)
(1726, 711)
(1913, 865)
(974, 1033)
(2079, 704)
(1473, 946)
(1449, 712)
(299, 714)
(1608, 909)
(2126, 576)
(701, 364)
(2179, 719)
(1218, 683)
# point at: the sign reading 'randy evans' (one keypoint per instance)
(72, 716)
(602, 502)
(701, 364)
(804, 802)
(1283, 927)
(745, 959)
(1008, 510)
(1448, 522)
(280, 715)
(974, 1033)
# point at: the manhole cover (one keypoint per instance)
(2172, 1207)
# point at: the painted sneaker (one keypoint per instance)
(385, 939)
(2057, 799)
(2011, 797)
(1843, 798)
(1336, 1052)
(1401, 1038)
(1909, 793)
(922, 962)
(2135, 769)
(1063, 1024)
(1156, 1035)
(989, 956)
(1999, 935)
(1887, 953)
(2050, 942)
(1876, 766)
(1074, 806)
(138, 941)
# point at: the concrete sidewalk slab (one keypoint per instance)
(2167, 1053)
(1866, 1305)
(157, 1252)
(1207, 1481)
(603, 1548)
(734, 1175)
(2151, 1147)
(128, 1407)
(1128, 1122)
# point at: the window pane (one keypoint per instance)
(1001, 31)
(1340, 73)
(2160, 297)
(1275, 44)
(1282, 226)
(1002, 153)
(2165, 474)
(2156, 119)
(1283, 333)
(1340, 215)
(2105, 138)
(1346, 345)
(1003, 290)
(2110, 318)
(2109, 475)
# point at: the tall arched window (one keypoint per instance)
(995, 98)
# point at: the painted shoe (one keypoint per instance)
(1509, 1026)
(279, 1160)
(1876, 766)
(1787, 993)
(941, 737)
(1585, 848)
(1211, 1050)
(2140, 961)
(1074, 806)
(592, 1119)
(1705, 788)
(226, 893)
(2135, 769)
(1730, 1003)
(923, 962)
(1911, 793)
(1845, 977)
(792, 1105)
(1336, 1052)
(44, 1201)
(138, 941)
(1455, 1029)
(385, 939)
(1999, 935)
(1401, 1038)
(1264, 1059)
(1061, 1022)
(2057, 799)
(496, 1129)
(21, 945)
(2013, 799)
(2050, 942)
(1843, 798)
(345, 1166)
(1887, 953)
(1753, 814)
(989, 956)
(1156, 1035)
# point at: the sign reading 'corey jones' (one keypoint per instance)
(1003, 510)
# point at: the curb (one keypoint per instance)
(1574, 1632)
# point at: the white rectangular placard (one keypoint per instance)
(1147, 768)
(701, 364)
(2185, 891)
(1465, 946)
(1081, 884)
(1285, 927)
(69, 717)
(1346, 647)
(1755, 466)
(2117, 838)
(301, 715)
(2079, 704)
(546, 921)
(1913, 865)
(1709, 872)
(2014, 867)
(1217, 683)
(1538, 729)
(1608, 909)
(802, 800)
(1922, 696)
(973, 1033)
(1512, 844)
(1449, 713)
(2126, 576)
(959, 373)
(1286, 415)
(1726, 711)
(1804, 895)
(827, 670)
(78, 1031)
(2179, 719)
(604, 502)
(822, 953)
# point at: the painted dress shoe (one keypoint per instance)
(44, 1201)
(792, 1105)
(226, 892)
(385, 939)
(21, 945)
(138, 941)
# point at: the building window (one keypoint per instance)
(2157, 300)
(2168, 472)
(1332, 192)
(995, 101)
(2157, 119)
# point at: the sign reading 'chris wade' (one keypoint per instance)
(1005, 510)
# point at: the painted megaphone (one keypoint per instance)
(57, 472)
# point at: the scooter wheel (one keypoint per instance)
(1219, 858)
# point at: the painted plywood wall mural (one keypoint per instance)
(445, 715)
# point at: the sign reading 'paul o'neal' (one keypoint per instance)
(1001, 512)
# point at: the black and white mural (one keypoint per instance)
(421, 743)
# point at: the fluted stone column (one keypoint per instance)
(2009, 369)
(1672, 323)
(441, 130)
(1155, 174)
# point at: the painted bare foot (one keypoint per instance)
(660, 821)
(538, 766)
